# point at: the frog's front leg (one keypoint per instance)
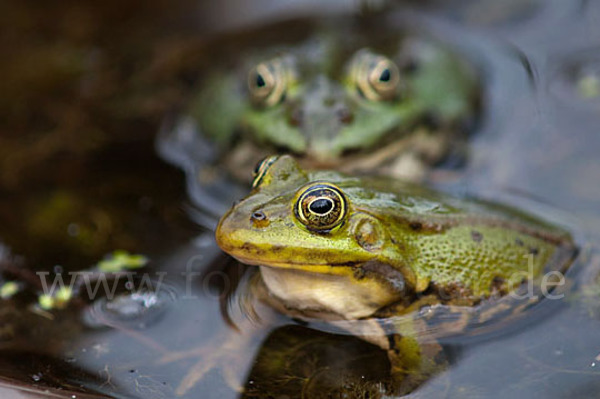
(413, 362)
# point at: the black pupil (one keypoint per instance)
(260, 81)
(385, 75)
(321, 206)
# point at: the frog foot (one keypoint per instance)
(230, 354)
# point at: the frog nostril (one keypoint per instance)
(296, 117)
(259, 219)
(344, 115)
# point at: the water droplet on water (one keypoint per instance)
(558, 352)
(137, 309)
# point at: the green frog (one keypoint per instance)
(355, 95)
(389, 260)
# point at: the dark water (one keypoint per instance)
(86, 86)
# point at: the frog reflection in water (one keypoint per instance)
(352, 97)
(333, 247)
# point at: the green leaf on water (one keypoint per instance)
(8, 289)
(121, 260)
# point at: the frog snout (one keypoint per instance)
(321, 115)
(332, 112)
(324, 102)
(337, 108)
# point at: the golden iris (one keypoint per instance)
(321, 206)
(376, 77)
(268, 82)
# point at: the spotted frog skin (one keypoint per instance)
(352, 95)
(336, 247)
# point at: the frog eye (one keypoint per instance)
(375, 77)
(261, 169)
(321, 207)
(268, 82)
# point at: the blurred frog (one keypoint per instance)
(356, 96)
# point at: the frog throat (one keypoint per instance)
(341, 295)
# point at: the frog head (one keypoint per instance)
(309, 233)
(326, 115)
(324, 98)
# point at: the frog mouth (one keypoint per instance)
(255, 255)
(317, 268)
